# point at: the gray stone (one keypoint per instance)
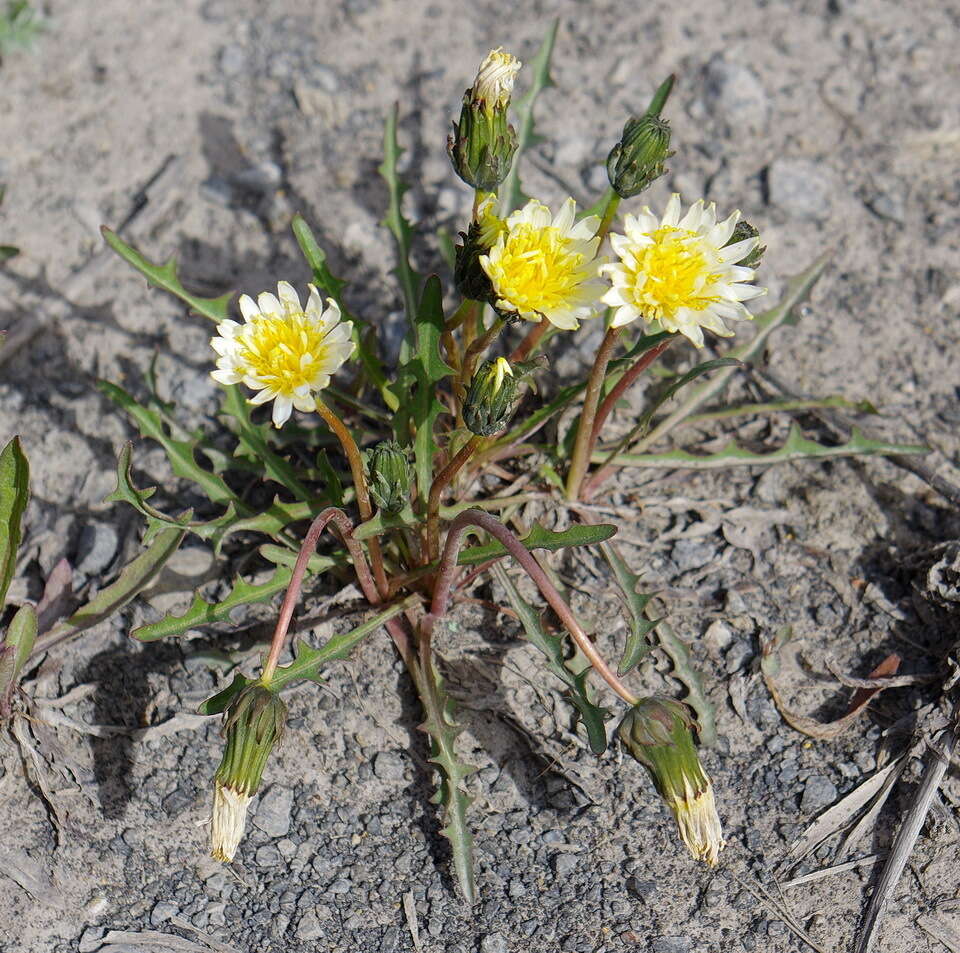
(273, 813)
(90, 940)
(692, 554)
(564, 864)
(800, 188)
(389, 766)
(494, 943)
(267, 856)
(96, 548)
(819, 792)
(310, 927)
(672, 944)
(738, 655)
(735, 92)
(163, 911)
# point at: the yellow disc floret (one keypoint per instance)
(283, 351)
(544, 266)
(680, 273)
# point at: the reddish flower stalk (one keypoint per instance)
(440, 483)
(307, 548)
(448, 567)
(623, 385)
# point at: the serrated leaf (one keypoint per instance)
(798, 288)
(638, 645)
(443, 730)
(179, 452)
(643, 422)
(511, 192)
(14, 494)
(399, 227)
(128, 492)
(325, 280)
(427, 368)
(133, 579)
(165, 277)
(201, 612)
(317, 563)
(552, 648)
(786, 405)
(796, 447)
(218, 704)
(307, 660)
(685, 673)
(541, 538)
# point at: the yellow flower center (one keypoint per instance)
(671, 274)
(283, 353)
(537, 270)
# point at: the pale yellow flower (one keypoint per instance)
(494, 83)
(544, 266)
(285, 352)
(679, 273)
(490, 224)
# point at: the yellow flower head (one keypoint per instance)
(544, 266)
(284, 352)
(679, 271)
(494, 83)
(490, 224)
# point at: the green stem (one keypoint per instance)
(585, 438)
(613, 203)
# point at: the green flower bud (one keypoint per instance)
(637, 159)
(389, 476)
(490, 398)
(483, 142)
(253, 724)
(658, 733)
(744, 231)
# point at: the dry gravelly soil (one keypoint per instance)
(830, 124)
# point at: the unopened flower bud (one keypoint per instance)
(389, 476)
(658, 733)
(637, 159)
(743, 232)
(490, 399)
(253, 724)
(483, 142)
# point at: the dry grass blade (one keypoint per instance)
(836, 817)
(29, 875)
(938, 760)
(949, 936)
(830, 871)
(410, 913)
(761, 896)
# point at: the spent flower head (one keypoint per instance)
(680, 272)
(483, 142)
(253, 724)
(658, 733)
(544, 265)
(493, 86)
(283, 351)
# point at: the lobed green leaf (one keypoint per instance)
(166, 278)
(796, 447)
(552, 648)
(201, 612)
(638, 644)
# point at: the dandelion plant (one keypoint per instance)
(346, 467)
